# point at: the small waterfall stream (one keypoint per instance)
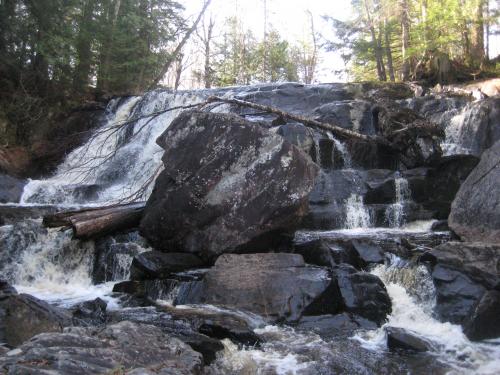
(395, 213)
(357, 215)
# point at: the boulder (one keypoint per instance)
(240, 187)
(363, 294)
(484, 322)
(402, 339)
(11, 188)
(475, 212)
(25, 316)
(158, 265)
(119, 347)
(277, 286)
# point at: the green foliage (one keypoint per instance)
(444, 38)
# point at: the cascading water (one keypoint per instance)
(118, 159)
(343, 151)
(357, 215)
(413, 297)
(395, 213)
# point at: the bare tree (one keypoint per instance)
(173, 56)
(206, 36)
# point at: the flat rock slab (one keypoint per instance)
(120, 347)
(277, 286)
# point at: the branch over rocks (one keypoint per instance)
(307, 121)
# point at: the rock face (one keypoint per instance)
(277, 286)
(475, 212)
(125, 346)
(467, 278)
(237, 188)
(25, 316)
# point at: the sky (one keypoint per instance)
(289, 17)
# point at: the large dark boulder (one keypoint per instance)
(277, 286)
(11, 188)
(158, 265)
(25, 316)
(237, 188)
(475, 212)
(119, 347)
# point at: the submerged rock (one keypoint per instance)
(279, 286)
(335, 326)
(90, 313)
(402, 339)
(475, 212)
(125, 346)
(240, 187)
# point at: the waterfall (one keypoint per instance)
(413, 297)
(116, 161)
(343, 151)
(395, 213)
(357, 215)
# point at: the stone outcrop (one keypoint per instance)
(475, 212)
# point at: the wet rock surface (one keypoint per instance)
(123, 346)
(241, 189)
(279, 286)
(475, 212)
(402, 339)
(363, 294)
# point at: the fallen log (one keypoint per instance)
(307, 121)
(90, 223)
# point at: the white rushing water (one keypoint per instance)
(357, 214)
(116, 161)
(395, 213)
(413, 297)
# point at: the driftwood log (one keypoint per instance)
(90, 223)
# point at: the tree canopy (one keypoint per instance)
(437, 40)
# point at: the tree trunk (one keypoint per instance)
(83, 48)
(96, 222)
(377, 51)
(388, 51)
(107, 45)
(477, 36)
(173, 56)
(405, 30)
